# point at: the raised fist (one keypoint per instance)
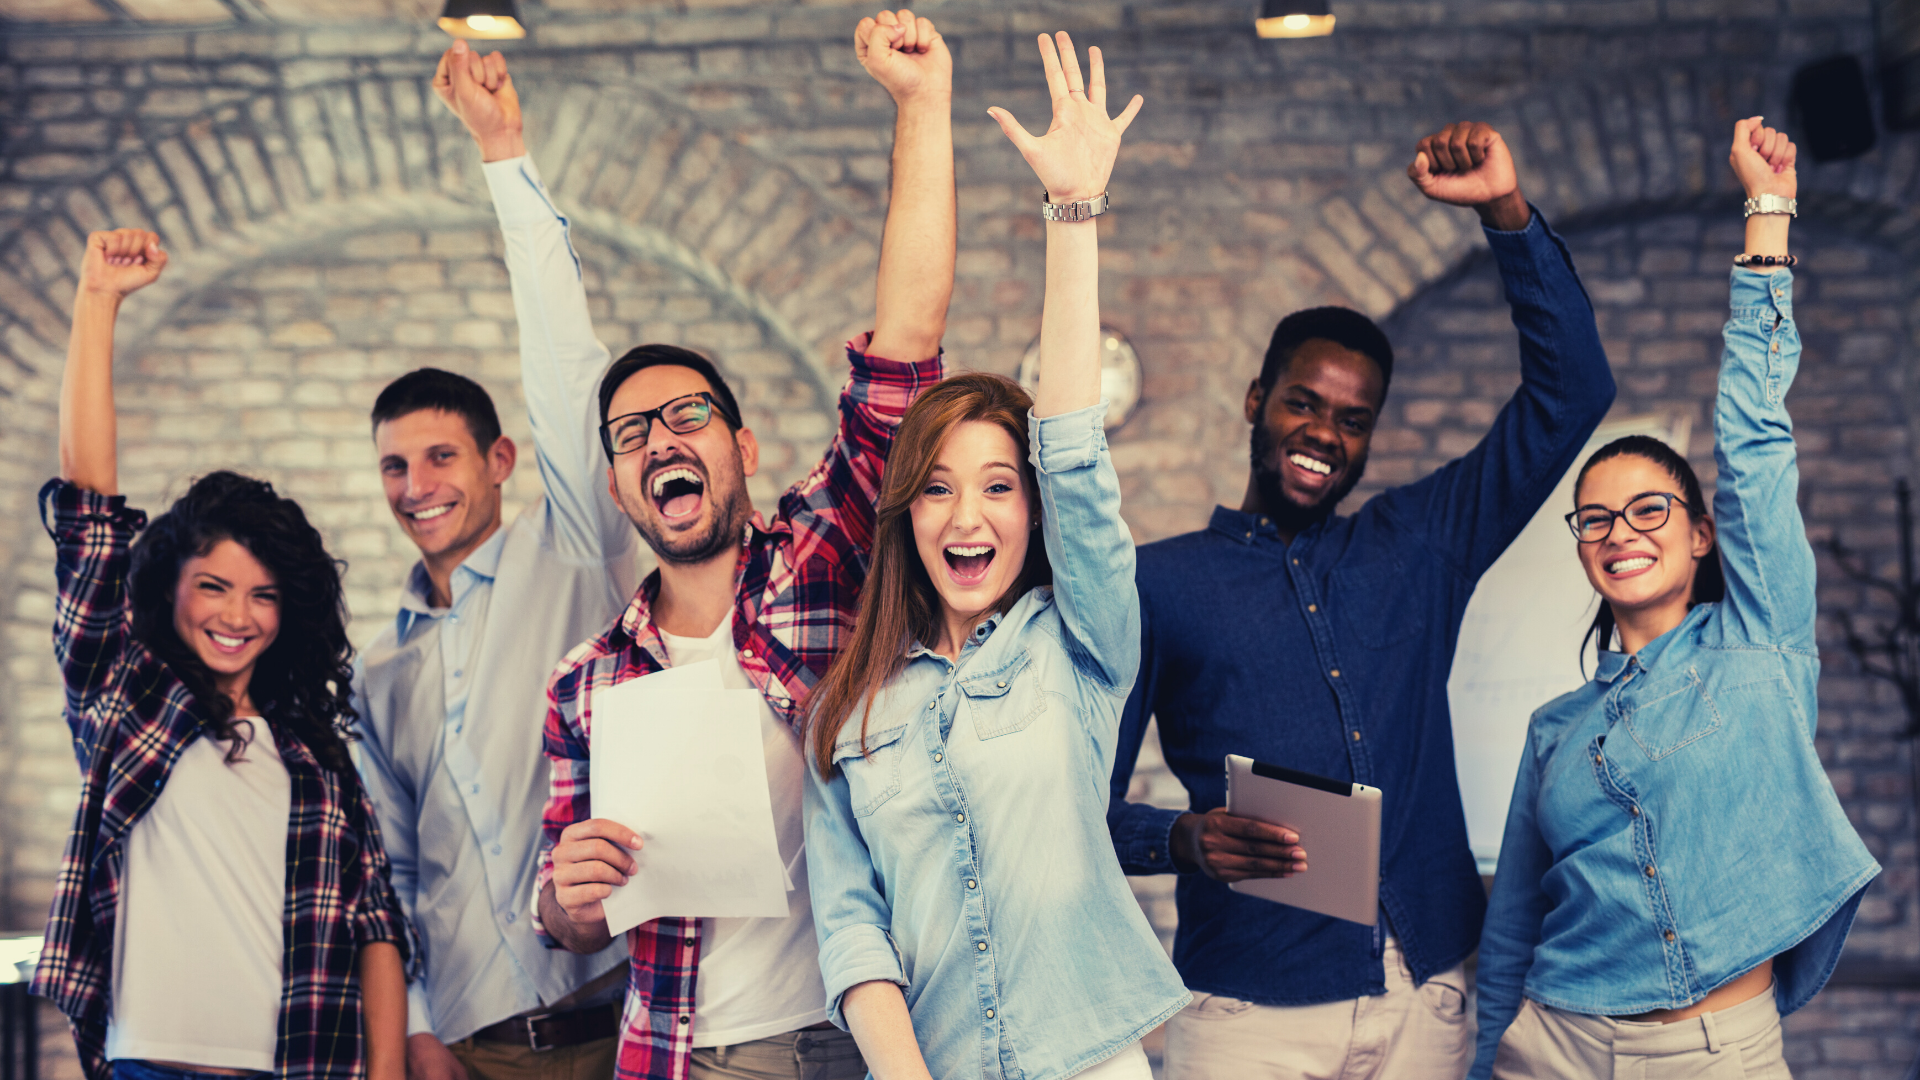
(121, 262)
(479, 91)
(1762, 159)
(905, 54)
(1464, 164)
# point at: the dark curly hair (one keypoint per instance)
(303, 681)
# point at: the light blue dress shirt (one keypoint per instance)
(1671, 825)
(452, 701)
(966, 856)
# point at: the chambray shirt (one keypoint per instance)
(1671, 825)
(452, 700)
(966, 856)
(1330, 654)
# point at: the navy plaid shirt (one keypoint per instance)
(131, 718)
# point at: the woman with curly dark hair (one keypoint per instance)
(223, 907)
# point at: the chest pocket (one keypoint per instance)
(1006, 700)
(874, 777)
(1668, 713)
(1372, 601)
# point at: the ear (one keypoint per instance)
(749, 451)
(501, 458)
(1703, 537)
(613, 488)
(1255, 398)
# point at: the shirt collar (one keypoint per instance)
(1245, 528)
(483, 564)
(1613, 663)
(981, 632)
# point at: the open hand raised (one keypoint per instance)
(479, 91)
(121, 262)
(1075, 157)
(1762, 158)
(905, 54)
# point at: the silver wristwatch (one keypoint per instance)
(1085, 210)
(1773, 204)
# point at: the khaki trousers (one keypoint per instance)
(512, 1061)
(1410, 1032)
(809, 1054)
(1740, 1043)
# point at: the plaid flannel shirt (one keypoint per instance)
(131, 719)
(794, 602)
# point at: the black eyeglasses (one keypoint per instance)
(1646, 512)
(683, 416)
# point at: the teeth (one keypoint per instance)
(966, 552)
(1625, 565)
(1306, 462)
(429, 515)
(226, 642)
(680, 473)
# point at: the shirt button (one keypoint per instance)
(459, 674)
(1336, 673)
(937, 758)
(1296, 562)
(1313, 607)
(1153, 856)
(496, 849)
(1598, 760)
(972, 884)
(691, 942)
(982, 946)
(1249, 534)
(1356, 736)
(512, 915)
(746, 654)
(1649, 871)
(960, 817)
(932, 704)
(1634, 810)
(989, 1014)
(685, 1020)
(1002, 684)
(1669, 935)
(476, 789)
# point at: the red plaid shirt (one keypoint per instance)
(797, 594)
(131, 719)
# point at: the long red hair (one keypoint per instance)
(899, 605)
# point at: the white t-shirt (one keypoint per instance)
(198, 944)
(759, 977)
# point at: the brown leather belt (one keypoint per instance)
(550, 1031)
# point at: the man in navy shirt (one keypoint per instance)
(1323, 643)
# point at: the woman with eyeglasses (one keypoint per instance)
(1677, 872)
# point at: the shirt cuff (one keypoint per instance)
(65, 505)
(1144, 839)
(918, 374)
(1761, 294)
(419, 1012)
(519, 197)
(1073, 440)
(857, 954)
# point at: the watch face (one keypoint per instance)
(1120, 375)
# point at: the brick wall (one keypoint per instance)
(725, 168)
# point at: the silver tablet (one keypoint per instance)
(1339, 826)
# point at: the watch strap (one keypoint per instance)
(1084, 210)
(1773, 204)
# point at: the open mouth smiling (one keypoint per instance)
(431, 513)
(967, 563)
(677, 492)
(1630, 564)
(227, 643)
(1312, 470)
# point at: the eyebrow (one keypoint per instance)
(1631, 499)
(1345, 410)
(937, 467)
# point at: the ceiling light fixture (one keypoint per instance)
(1293, 19)
(487, 19)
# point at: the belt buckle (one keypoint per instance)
(533, 1033)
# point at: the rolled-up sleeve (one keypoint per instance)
(850, 915)
(1088, 544)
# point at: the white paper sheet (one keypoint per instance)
(679, 760)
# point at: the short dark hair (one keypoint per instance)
(432, 388)
(646, 356)
(1344, 327)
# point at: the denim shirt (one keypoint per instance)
(965, 856)
(1671, 826)
(1330, 654)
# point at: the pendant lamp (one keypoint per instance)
(1293, 19)
(482, 19)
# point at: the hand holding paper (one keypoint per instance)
(589, 862)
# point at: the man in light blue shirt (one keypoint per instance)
(451, 696)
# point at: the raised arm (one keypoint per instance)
(116, 264)
(905, 54)
(561, 360)
(1764, 551)
(1472, 508)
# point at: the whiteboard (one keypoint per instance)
(1520, 644)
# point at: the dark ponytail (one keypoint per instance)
(303, 680)
(1709, 581)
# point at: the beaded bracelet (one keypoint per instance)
(1766, 260)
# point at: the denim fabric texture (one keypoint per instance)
(1331, 653)
(964, 855)
(1671, 825)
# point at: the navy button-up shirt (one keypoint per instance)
(1331, 654)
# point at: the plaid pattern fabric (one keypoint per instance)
(131, 719)
(796, 597)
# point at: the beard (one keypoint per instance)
(731, 511)
(1291, 516)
